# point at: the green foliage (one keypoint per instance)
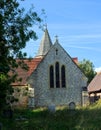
(88, 68)
(15, 30)
(87, 118)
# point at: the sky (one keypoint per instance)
(77, 23)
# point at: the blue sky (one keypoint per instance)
(77, 24)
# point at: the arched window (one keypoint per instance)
(63, 77)
(51, 75)
(57, 75)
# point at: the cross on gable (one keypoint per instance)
(56, 37)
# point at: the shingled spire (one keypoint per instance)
(45, 44)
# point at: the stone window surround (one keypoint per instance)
(60, 74)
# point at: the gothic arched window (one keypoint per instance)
(63, 77)
(51, 75)
(57, 75)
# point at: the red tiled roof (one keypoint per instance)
(95, 84)
(24, 74)
(75, 59)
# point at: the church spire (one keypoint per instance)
(45, 44)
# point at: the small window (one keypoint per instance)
(56, 51)
(57, 75)
(63, 77)
(51, 77)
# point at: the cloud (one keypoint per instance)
(87, 48)
(98, 69)
(81, 39)
(86, 36)
(77, 26)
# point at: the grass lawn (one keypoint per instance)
(88, 118)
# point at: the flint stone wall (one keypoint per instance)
(75, 80)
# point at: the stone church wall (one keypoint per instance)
(75, 80)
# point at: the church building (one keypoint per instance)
(53, 77)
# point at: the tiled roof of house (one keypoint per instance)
(24, 74)
(95, 84)
(75, 59)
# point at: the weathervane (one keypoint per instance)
(45, 26)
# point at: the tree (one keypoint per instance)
(15, 31)
(88, 68)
